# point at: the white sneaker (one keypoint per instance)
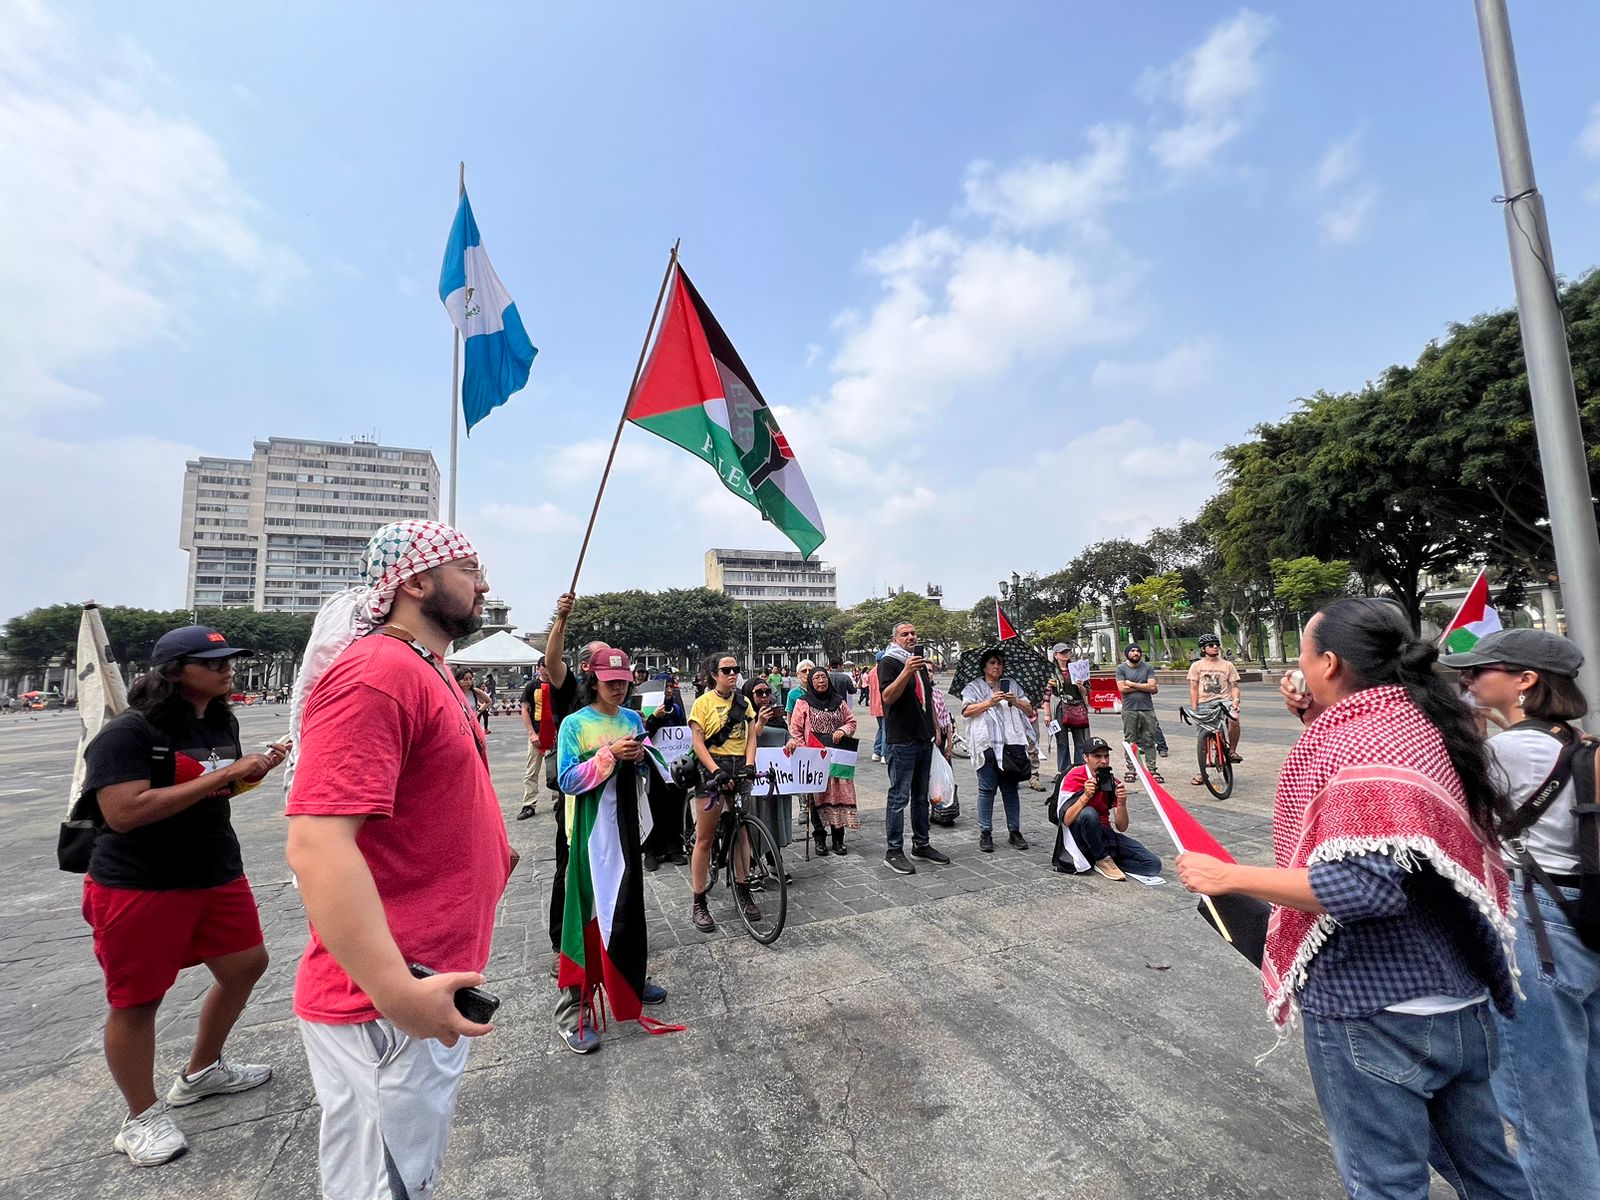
(877, 758)
(151, 1138)
(219, 1079)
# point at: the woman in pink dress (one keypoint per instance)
(822, 716)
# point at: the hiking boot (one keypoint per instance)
(895, 860)
(701, 914)
(929, 853)
(1017, 840)
(151, 1138)
(986, 841)
(221, 1078)
(527, 810)
(1107, 866)
(838, 842)
(747, 902)
(822, 846)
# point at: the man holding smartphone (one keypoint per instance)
(392, 767)
(908, 721)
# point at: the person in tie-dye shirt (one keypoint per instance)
(600, 763)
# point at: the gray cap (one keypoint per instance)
(1533, 649)
(1058, 648)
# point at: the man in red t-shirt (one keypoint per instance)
(1098, 820)
(397, 841)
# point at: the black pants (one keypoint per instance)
(667, 803)
(558, 883)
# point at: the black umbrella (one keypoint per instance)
(1023, 664)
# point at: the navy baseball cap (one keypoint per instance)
(192, 641)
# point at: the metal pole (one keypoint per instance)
(1544, 344)
(455, 380)
(749, 643)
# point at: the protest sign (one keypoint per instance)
(803, 772)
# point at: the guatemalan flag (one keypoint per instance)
(499, 353)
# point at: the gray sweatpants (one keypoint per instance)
(1139, 727)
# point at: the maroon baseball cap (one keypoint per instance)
(610, 665)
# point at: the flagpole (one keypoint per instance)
(455, 376)
(672, 262)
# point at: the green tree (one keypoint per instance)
(689, 623)
(1158, 597)
(789, 625)
(41, 635)
(1303, 584)
(1066, 627)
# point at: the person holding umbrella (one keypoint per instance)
(999, 729)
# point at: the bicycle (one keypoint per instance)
(742, 841)
(1211, 746)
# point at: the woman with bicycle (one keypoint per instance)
(824, 714)
(725, 727)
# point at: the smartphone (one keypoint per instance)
(473, 1003)
(920, 650)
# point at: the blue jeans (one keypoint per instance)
(1548, 1083)
(877, 741)
(908, 784)
(1398, 1092)
(1080, 738)
(1097, 842)
(988, 780)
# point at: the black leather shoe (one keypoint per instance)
(986, 841)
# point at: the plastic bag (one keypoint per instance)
(941, 781)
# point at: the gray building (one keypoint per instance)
(768, 576)
(281, 529)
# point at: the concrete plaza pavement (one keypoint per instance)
(984, 1028)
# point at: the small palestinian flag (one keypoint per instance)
(840, 756)
(1474, 620)
(697, 393)
(1007, 629)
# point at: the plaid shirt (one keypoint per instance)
(1394, 941)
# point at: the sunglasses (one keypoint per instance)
(727, 670)
(1474, 672)
(761, 691)
(211, 664)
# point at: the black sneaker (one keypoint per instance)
(986, 841)
(1017, 840)
(651, 862)
(895, 860)
(526, 811)
(929, 853)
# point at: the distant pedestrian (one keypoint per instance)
(1136, 681)
(823, 715)
(1067, 705)
(540, 724)
(668, 801)
(999, 731)
(907, 691)
(166, 887)
(392, 771)
(797, 689)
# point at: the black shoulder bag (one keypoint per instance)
(84, 823)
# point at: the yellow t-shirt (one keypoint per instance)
(711, 712)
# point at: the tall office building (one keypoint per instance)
(281, 529)
(766, 576)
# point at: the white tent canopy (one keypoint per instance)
(496, 650)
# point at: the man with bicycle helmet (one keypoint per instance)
(1215, 680)
(725, 727)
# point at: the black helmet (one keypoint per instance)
(1210, 639)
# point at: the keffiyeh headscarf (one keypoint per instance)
(396, 553)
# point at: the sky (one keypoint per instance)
(1008, 280)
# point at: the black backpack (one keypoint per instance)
(75, 842)
(1578, 761)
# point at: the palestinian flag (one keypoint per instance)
(1473, 620)
(1007, 629)
(603, 937)
(697, 393)
(840, 756)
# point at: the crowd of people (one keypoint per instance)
(1432, 1006)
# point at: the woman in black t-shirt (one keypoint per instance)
(166, 887)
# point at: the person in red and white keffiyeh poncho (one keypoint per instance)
(1389, 933)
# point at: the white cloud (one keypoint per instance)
(1210, 86)
(1339, 163)
(110, 525)
(120, 203)
(1035, 194)
(1185, 366)
(1347, 220)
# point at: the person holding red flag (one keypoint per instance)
(1389, 931)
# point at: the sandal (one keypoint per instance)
(1197, 781)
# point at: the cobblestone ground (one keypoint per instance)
(987, 1026)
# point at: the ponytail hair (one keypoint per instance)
(1376, 645)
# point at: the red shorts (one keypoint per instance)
(143, 939)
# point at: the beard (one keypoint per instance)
(457, 619)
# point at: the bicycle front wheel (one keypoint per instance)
(1215, 769)
(755, 855)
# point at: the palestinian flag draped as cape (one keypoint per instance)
(603, 936)
(696, 392)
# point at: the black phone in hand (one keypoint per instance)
(473, 1003)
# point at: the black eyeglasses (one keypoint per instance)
(727, 670)
(210, 664)
(1474, 672)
